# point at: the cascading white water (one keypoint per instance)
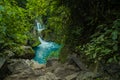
(45, 48)
(39, 26)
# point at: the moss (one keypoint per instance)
(64, 54)
(23, 52)
(33, 42)
(36, 43)
(48, 35)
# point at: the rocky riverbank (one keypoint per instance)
(24, 69)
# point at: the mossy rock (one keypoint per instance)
(25, 52)
(33, 42)
(48, 35)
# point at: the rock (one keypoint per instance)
(9, 53)
(48, 76)
(48, 35)
(36, 65)
(112, 70)
(64, 70)
(52, 62)
(52, 65)
(33, 41)
(21, 77)
(21, 64)
(84, 75)
(28, 52)
(59, 70)
(24, 70)
(77, 62)
(24, 52)
(3, 68)
(16, 65)
(72, 67)
(72, 76)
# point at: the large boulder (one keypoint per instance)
(23, 69)
(3, 68)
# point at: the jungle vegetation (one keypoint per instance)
(88, 28)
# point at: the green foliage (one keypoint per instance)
(104, 44)
(37, 8)
(54, 15)
(59, 23)
(13, 24)
(17, 18)
(92, 34)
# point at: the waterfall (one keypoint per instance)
(40, 28)
(43, 50)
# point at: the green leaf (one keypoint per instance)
(115, 59)
(115, 47)
(110, 60)
(94, 55)
(1, 8)
(114, 34)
